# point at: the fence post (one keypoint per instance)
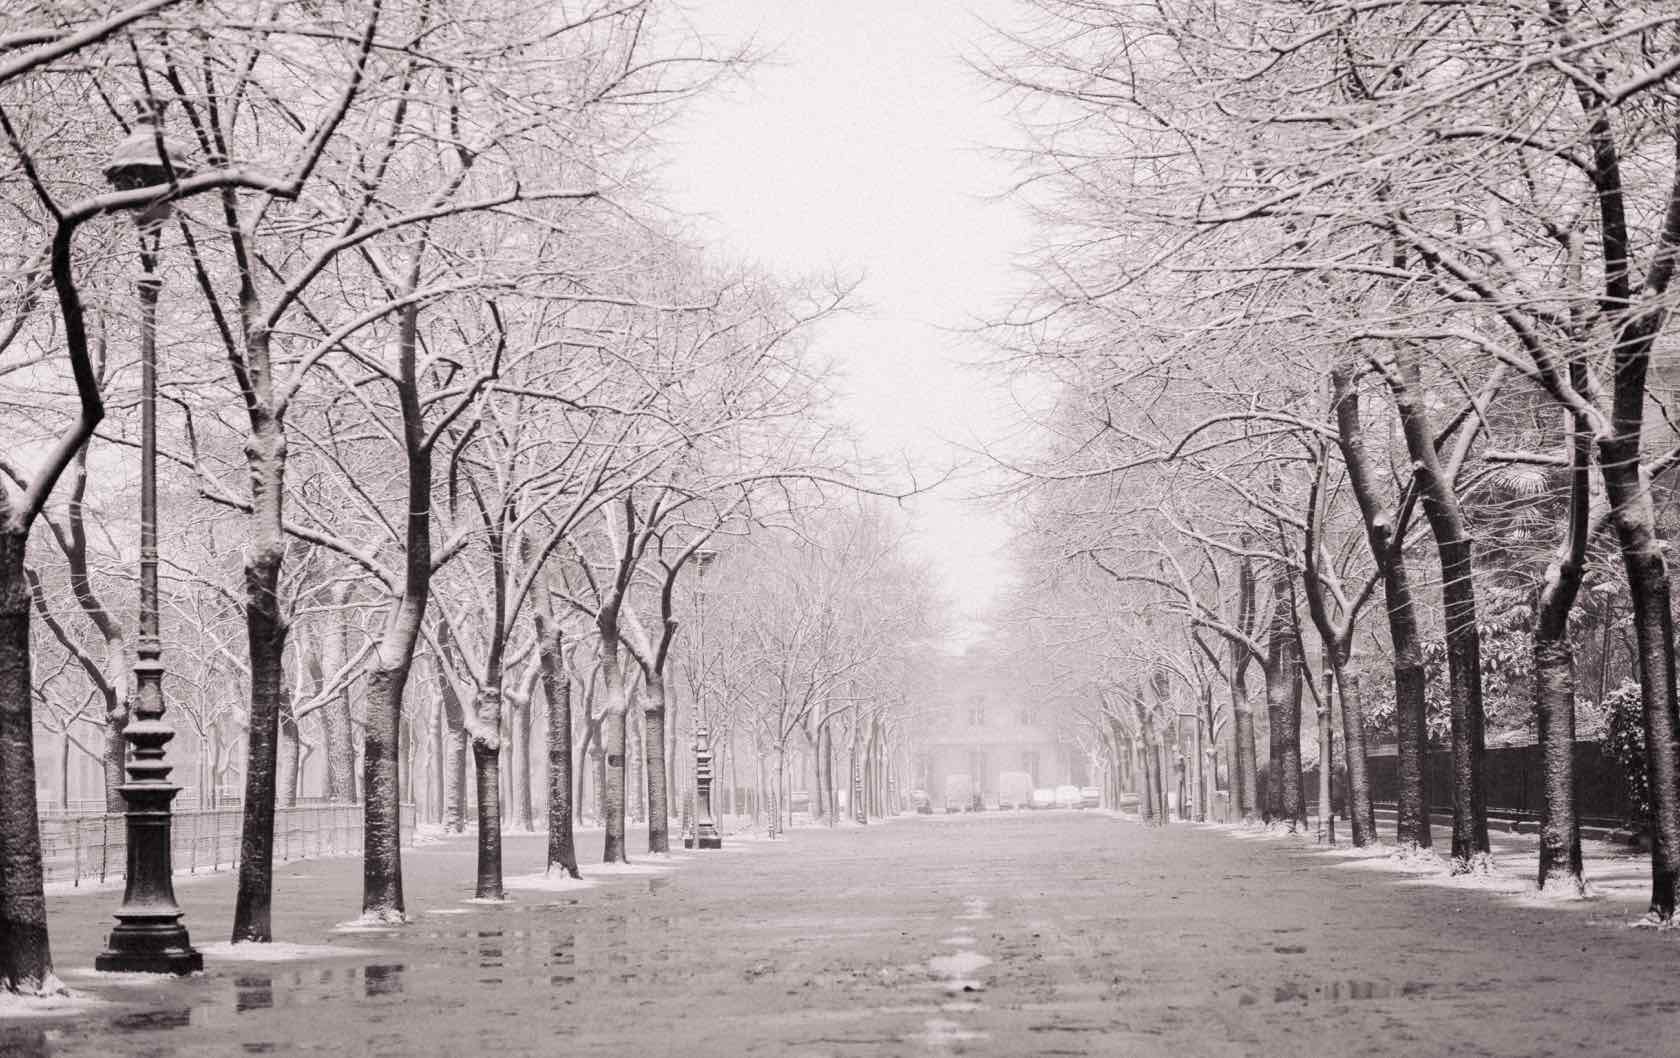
(104, 844)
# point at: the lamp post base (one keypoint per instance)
(148, 937)
(150, 952)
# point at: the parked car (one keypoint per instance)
(921, 802)
(1014, 790)
(1090, 797)
(1043, 797)
(1067, 797)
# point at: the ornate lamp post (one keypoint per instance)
(706, 834)
(149, 936)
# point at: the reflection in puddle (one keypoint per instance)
(252, 993)
(1343, 991)
(151, 1020)
(382, 980)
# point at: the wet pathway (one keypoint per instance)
(1053, 933)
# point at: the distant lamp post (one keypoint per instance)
(149, 936)
(706, 834)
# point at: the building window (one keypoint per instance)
(977, 712)
(1029, 764)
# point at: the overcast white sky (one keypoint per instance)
(861, 147)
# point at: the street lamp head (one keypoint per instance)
(138, 161)
(704, 557)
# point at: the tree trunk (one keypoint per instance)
(1643, 556)
(335, 715)
(1362, 818)
(1145, 785)
(454, 779)
(854, 796)
(653, 766)
(266, 633)
(487, 759)
(557, 691)
(288, 762)
(1410, 705)
(1284, 795)
(519, 752)
(113, 759)
(382, 888)
(614, 722)
(1458, 601)
(25, 955)
(1554, 708)
(1554, 672)
(1245, 784)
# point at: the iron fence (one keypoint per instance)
(95, 846)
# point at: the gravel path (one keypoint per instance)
(1055, 933)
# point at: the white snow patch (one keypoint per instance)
(959, 941)
(89, 975)
(558, 882)
(642, 867)
(494, 901)
(448, 911)
(373, 922)
(58, 1002)
(277, 951)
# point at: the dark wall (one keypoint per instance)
(1515, 782)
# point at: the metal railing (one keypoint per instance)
(74, 847)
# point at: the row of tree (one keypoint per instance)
(1349, 351)
(450, 411)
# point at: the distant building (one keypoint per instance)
(980, 725)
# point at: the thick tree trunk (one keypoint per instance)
(1643, 556)
(1464, 670)
(266, 633)
(557, 691)
(1362, 817)
(1554, 672)
(454, 779)
(1458, 602)
(25, 955)
(1244, 760)
(1410, 705)
(382, 888)
(112, 761)
(1554, 709)
(653, 766)
(487, 760)
(1284, 793)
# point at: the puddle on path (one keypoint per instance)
(1340, 991)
